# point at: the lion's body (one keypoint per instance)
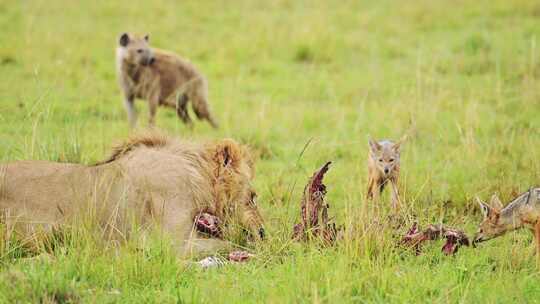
(152, 180)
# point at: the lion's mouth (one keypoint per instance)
(208, 223)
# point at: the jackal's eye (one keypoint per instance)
(391, 160)
(139, 51)
(380, 160)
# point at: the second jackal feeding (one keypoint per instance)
(522, 212)
(383, 168)
(314, 215)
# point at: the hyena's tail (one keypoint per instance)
(196, 90)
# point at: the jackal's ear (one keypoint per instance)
(485, 208)
(124, 39)
(397, 145)
(374, 146)
(495, 202)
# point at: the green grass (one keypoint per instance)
(464, 74)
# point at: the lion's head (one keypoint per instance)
(233, 172)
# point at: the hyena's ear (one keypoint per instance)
(124, 39)
(485, 208)
(374, 146)
(147, 37)
(495, 202)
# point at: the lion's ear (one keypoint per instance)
(228, 153)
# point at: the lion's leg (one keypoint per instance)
(194, 247)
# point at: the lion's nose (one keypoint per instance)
(261, 233)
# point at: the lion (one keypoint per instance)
(162, 78)
(153, 179)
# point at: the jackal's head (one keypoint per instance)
(135, 50)
(493, 224)
(385, 155)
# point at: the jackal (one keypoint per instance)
(383, 168)
(522, 212)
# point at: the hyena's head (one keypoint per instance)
(493, 224)
(135, 50)
(385, 154)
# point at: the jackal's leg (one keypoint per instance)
(369, 194)
(396, 202)
(376, 190)
(373, 192)
(537, 240)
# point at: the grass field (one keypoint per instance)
(463, 76)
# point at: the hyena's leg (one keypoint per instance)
(396, 202)
(129, 104)
(181, 109)
(153, 103)
(197, 92)
(180, 105)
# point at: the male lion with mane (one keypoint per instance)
(152, 179)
